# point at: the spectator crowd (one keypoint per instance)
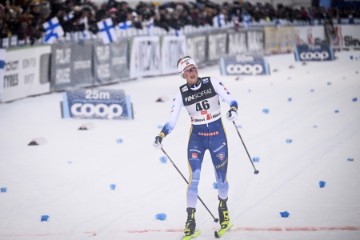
(25, 18)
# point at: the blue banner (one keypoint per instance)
(314, 53)
(96, 104)
(244, 65)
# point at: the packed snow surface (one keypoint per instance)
(300, 124)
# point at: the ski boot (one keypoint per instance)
(223, 213)
(190, 222)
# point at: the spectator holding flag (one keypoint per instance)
(219, 19)
(53, 30)
(25, 18)
(107, 31)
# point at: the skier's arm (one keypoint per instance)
(224, 93)
(170, 124)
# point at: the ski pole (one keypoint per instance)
(242, 141)
(177, 169)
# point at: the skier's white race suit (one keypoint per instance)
(202, 101)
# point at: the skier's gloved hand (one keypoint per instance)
(232, 115)
(158, 139)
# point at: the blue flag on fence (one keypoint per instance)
(107, 31)
(53, 30)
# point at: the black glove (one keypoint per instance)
(158, 140)
(232, 115)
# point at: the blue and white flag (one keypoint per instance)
(219, 20)
(53, 30)
(107, 31)
(125, 25)
(247, 20)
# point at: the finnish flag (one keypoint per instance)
(107, 31)
(53, 30)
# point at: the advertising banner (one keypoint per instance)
(119, 60)
(81, 62)
(310, 35)
(71, 65)
(145, 58)
(279, 39)
(237, 43)
(346, 36)
(110, 62)
(26, 72)
(96, 104)
(172, 49)
(314, 53)
(102, 67)
(244, 65)
(255, 41)
(217, 46)
(61, 66)
(197, 48)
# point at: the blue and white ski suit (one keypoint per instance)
(202, 101)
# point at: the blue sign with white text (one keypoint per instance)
(314, 53)
(244, 65)
(96, 104)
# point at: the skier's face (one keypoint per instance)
(190, 73)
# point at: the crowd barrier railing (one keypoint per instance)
(29, 71)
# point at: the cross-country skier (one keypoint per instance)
(201, 98)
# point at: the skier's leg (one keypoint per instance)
(219, 155)
(195, 157)
(223, 188)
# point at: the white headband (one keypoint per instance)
(184, 63)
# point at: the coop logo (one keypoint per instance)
(246, 69)
(97, 104)
(321, 52)
(319, 56)
(244, 65)
(90, 110)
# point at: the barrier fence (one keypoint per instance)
(28, 71)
